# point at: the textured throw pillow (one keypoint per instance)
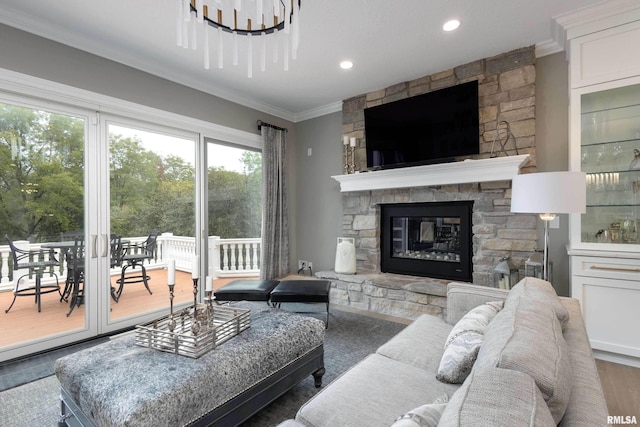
(527, 337)
(425, 415)
(539, 292)
(464, 340)
(497, 398)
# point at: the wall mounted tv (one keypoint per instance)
(434, 127)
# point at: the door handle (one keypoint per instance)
(94, 246)
(105, 246)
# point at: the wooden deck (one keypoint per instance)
(24, 323)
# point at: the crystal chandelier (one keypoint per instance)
(240, 21)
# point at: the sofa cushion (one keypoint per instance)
(540, 292)
(424, 416)
(420, 344)
(463, 343)
(497, 397)
(526, 336)
(372, 393)
(587, 405)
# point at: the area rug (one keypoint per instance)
(349, 339)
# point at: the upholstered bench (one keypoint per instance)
(308, 291)
(120, 383)
(246, 290)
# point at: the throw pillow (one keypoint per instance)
(425, 415)
(464, 340)
(498, 398)
(527, 337)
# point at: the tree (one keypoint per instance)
(41, 174)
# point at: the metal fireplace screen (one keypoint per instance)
(427, 239)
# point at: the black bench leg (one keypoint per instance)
(317, 377)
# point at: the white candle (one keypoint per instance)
(353, 142)
(195, 274)
(345, 140)
(171, 272)
(209, 284)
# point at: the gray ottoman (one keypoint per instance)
(119, 383)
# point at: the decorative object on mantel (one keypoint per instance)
(349, 154)
(234, 20)
(346, 256)
(505, 274)
(548, 194)
(503, 130)
(194, 330)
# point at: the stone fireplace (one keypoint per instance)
(506, 85)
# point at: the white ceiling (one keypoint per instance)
(389, 42)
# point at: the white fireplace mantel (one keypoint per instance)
(481, 170)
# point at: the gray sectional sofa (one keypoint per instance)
(531, 364)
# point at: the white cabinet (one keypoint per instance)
(605, 143)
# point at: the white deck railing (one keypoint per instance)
(227, 258)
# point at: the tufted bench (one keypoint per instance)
(119, 383)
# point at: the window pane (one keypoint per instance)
(235, 209)
(152, 179)
(41, 201)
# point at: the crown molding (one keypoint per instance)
(591, 19)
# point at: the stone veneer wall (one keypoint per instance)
(506, 93)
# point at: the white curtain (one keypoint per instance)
(275, 219)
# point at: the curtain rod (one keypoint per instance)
(261, 123)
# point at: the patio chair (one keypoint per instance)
(34, 262)
(134, 256)
(75, 273)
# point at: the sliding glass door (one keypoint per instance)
(80, 195)
(42, 205)
(152, 205)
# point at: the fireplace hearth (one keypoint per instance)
(427, 239)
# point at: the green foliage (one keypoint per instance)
(42, 184)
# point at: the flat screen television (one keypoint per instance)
(434, 127)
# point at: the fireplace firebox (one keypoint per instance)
(427, 239)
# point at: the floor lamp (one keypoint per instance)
(548, 194)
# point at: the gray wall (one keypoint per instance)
(29, 54)
(552, 151)
(319, 201)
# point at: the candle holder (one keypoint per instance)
(208, 299)
(195, 325)
(346, 159)
(353, 160)
(172, 321)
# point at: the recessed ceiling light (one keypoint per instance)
(451, 25)
(345, 65)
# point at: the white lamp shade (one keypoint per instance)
(549, 192)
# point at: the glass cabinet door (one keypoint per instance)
(610, 156)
